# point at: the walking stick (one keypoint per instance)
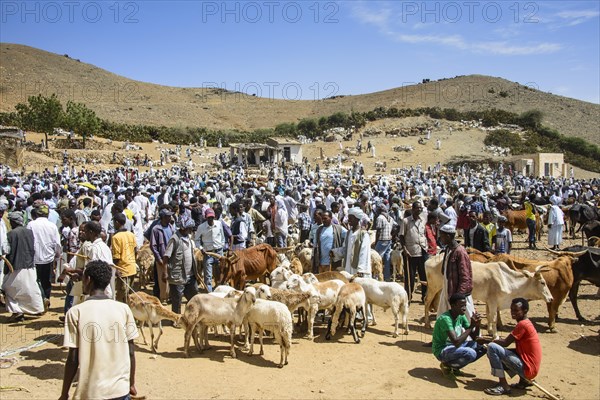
(547, 393)
(8, 264)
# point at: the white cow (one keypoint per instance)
(493, 283)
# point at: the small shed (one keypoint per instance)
(542, 165)
(290, 149)
(11, 146)
(252, 153)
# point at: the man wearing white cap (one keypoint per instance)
(456, 270)
(356, 250)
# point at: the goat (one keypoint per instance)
(148, 309)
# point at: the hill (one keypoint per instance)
(26, 71)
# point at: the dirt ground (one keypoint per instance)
(465, 145)
(379, 367)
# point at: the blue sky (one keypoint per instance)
(287, 49)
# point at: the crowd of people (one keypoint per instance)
(55, 225)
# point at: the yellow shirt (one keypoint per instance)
(491, 229)
(123, 249)
(529, 210)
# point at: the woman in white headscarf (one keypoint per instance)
(556, 222)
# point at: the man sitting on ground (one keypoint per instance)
(450, 334)
(527, 359)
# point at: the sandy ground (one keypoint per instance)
(379, 367)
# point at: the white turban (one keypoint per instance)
(356, 212)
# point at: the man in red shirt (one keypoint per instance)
(430, 233)
(525, 361)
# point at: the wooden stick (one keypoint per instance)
(547, 393)
(8, 264)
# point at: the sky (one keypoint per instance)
(317, 49)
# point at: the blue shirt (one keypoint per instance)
(168, 232)
(326, 244)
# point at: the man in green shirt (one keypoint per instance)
(450, 334)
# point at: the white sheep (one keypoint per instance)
(204, 310)
(386, 295)
(283, 261)
(351, 299)
(279, 277)
(327, 292)
(292, 299)
(275, 317)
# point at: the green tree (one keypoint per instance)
(40, 114)
(531, 119)
(81, 120)
(308, 127)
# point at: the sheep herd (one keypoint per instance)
(260, 307)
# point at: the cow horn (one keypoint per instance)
(541, 268)
(567, 253)
(283, 249)
(211, 254)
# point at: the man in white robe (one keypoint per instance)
(556, 222)
(356, 250)
(23, 294)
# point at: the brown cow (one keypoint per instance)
(518, 220)
(479, 256)
(557, 273)
(247, 264)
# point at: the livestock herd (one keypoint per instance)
(257, 307)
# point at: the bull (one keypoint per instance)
(591, 230)
(557, 273)
(247, 264)
(586, 268)
(581, 214)
(494, 283)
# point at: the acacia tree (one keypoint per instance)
(40, 114)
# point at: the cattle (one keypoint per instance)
(493, 283)
(517, 220)
(581, 214)
(557, 273)
(590, 230)
(479, 256)
(586, 268)
(558, 276)
(247, 264)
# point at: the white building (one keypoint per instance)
(290, 149)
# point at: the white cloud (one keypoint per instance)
(382, 20)
(379, 18)
(576, 17)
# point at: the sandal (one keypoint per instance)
(447, 371)
(497, 391)
(522, 385)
